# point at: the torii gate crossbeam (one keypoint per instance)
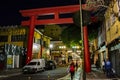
(33, 14)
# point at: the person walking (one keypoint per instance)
(103, 66)
(76, 65)
(72, 70)
(108, 68)
(97, 64)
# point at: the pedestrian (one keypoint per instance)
(97, 64)
(108, 68)
(76, 65)
(103, 66)
(72, 70)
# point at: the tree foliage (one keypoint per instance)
(86, 19)
(71, 35)
(93, 30)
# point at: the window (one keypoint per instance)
(38, 63)
(16, 38)
(4, 38)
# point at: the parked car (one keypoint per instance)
(50, 64)
(34, 65)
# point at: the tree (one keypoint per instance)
(71, 35)
(86, 17)
(92, 22)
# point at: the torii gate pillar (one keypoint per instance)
(30, 39)
(86, 50)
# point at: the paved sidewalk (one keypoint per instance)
(93, 75)
(76, 77)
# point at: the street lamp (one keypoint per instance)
(81, 26)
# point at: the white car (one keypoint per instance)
(34, 65)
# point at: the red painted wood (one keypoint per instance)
(30, 39)
(49, 21)
(50, 10)
(56, 11)
(86, 50)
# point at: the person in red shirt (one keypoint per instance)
(72, 70)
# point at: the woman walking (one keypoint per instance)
(72, 70)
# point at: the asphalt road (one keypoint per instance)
(46, 75)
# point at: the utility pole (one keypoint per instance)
(81, 25)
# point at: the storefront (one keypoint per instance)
(103, 54)
(114, 55)
(14, 56)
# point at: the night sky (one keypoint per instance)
(9, 9)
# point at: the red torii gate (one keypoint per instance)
(56, 11)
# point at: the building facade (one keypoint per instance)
(13, 46)
(112, 24)
(113, 35)
(107, 44)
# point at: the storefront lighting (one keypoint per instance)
(79, 51)
(51, 46)
(76, 47)
(62, 47)
(69, 51)
(34, 46)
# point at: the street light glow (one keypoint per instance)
(62, 47)
(75, 47)
(51, 46)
